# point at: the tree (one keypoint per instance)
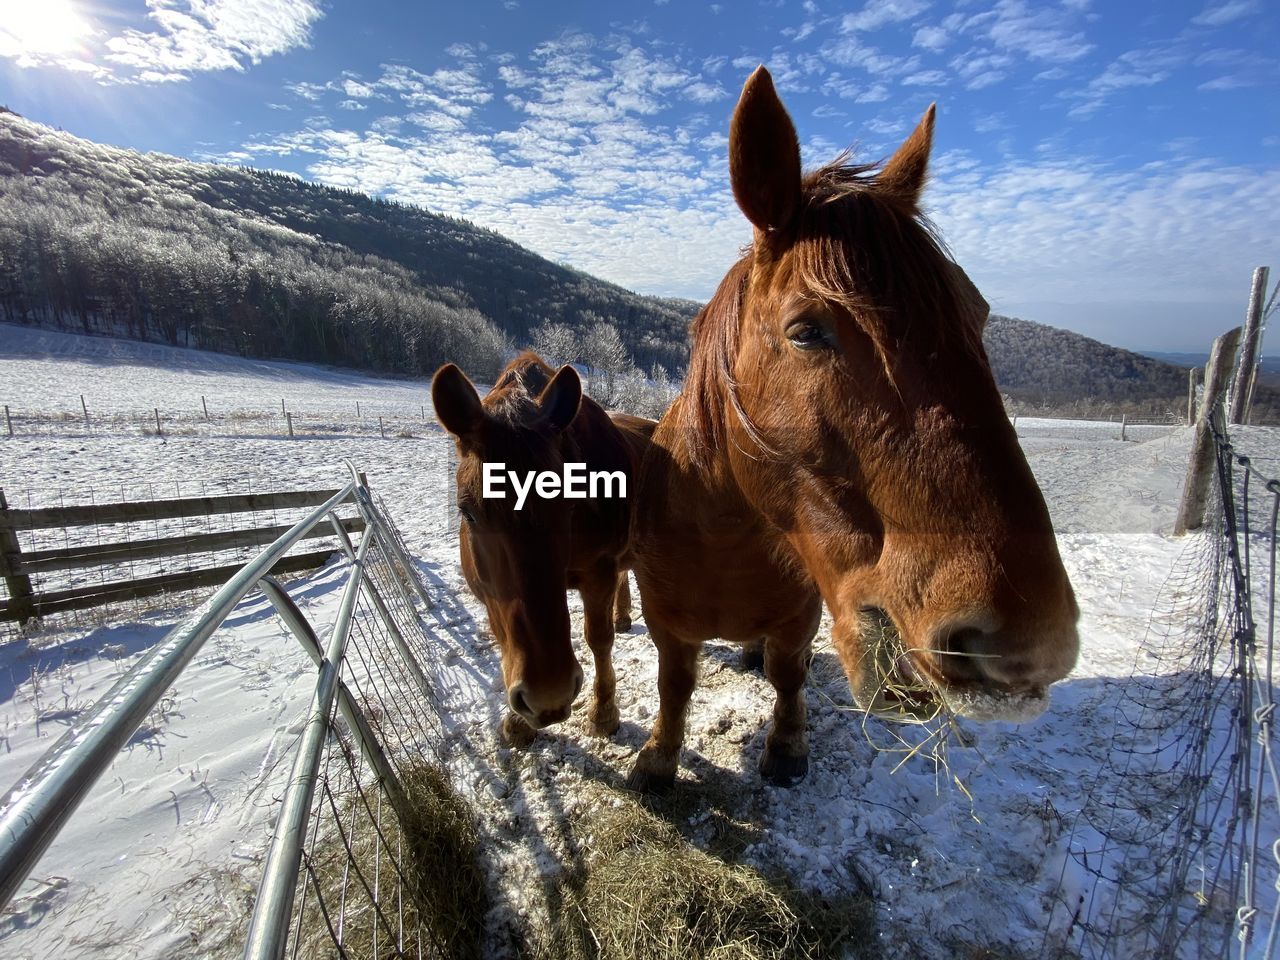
(556, 343)
(607, 361)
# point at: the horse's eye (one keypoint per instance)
(807, 335)
(467, 515)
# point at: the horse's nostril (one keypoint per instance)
(518, 702)
(960, 653)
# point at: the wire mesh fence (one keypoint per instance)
(1094, 431)
(367, 855)
(299, 419)
(1174, 851)
(382, 846)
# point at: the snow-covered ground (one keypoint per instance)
(977, 852)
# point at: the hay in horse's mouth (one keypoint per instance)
(893, 687)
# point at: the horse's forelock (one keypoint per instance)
(514, 397)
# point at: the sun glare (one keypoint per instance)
(48, 26)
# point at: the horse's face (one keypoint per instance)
(869, 429)
(516, 561)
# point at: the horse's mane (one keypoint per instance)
(857, 245)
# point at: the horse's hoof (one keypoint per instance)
(643, 779)
(783, 769)
(753, 659)
(621, 624)
(604, 722)
(515, 732)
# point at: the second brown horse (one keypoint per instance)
(520, 563)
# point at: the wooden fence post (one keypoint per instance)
(282, 410)
(1124, 422)
(20, 591)
(1195, 490)
(159, 432)
(8, 420)
(1191, 396)
(381, 429)
(1251, 350)
(288, 418)
(357, 409)
(205, 404)
(85, 407)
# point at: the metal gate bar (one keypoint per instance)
(39, 804)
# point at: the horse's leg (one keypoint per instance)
(597, 602)
(787, 653)
(655, 767)
(622, 605)
(753, 655)
(515, 731)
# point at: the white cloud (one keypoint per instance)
(1040, 33)
(981, 68)
(878, 13)
(356, 90)
(1135, 68)
(1219, 14)
(851, 51)
(702, 92)
(191, 36)
(990, 122)
(983, 80)
(1032, 231)
(932, 39)
(306, 90)
(1228, 82)
(925, 78)
(857, 91)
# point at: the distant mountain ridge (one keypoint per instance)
(1043, 366)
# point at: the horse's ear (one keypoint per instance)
(457, 404)
(904, 174)
(764, 156)
(971, 299)
(561, 397)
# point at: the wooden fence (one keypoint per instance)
(19, 566)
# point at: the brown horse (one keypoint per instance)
(520, 562)
(840, 438)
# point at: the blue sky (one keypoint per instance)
(1109, 167)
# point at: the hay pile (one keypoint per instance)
(441, 907)
(443, 855)
(644, 893)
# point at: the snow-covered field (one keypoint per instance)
(162, 857)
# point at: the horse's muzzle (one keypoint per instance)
(542, 705)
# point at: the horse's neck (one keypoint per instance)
(704, 475)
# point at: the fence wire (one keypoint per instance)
(357, 892)
(361, 876)
(297, 419)
(1176, 849)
